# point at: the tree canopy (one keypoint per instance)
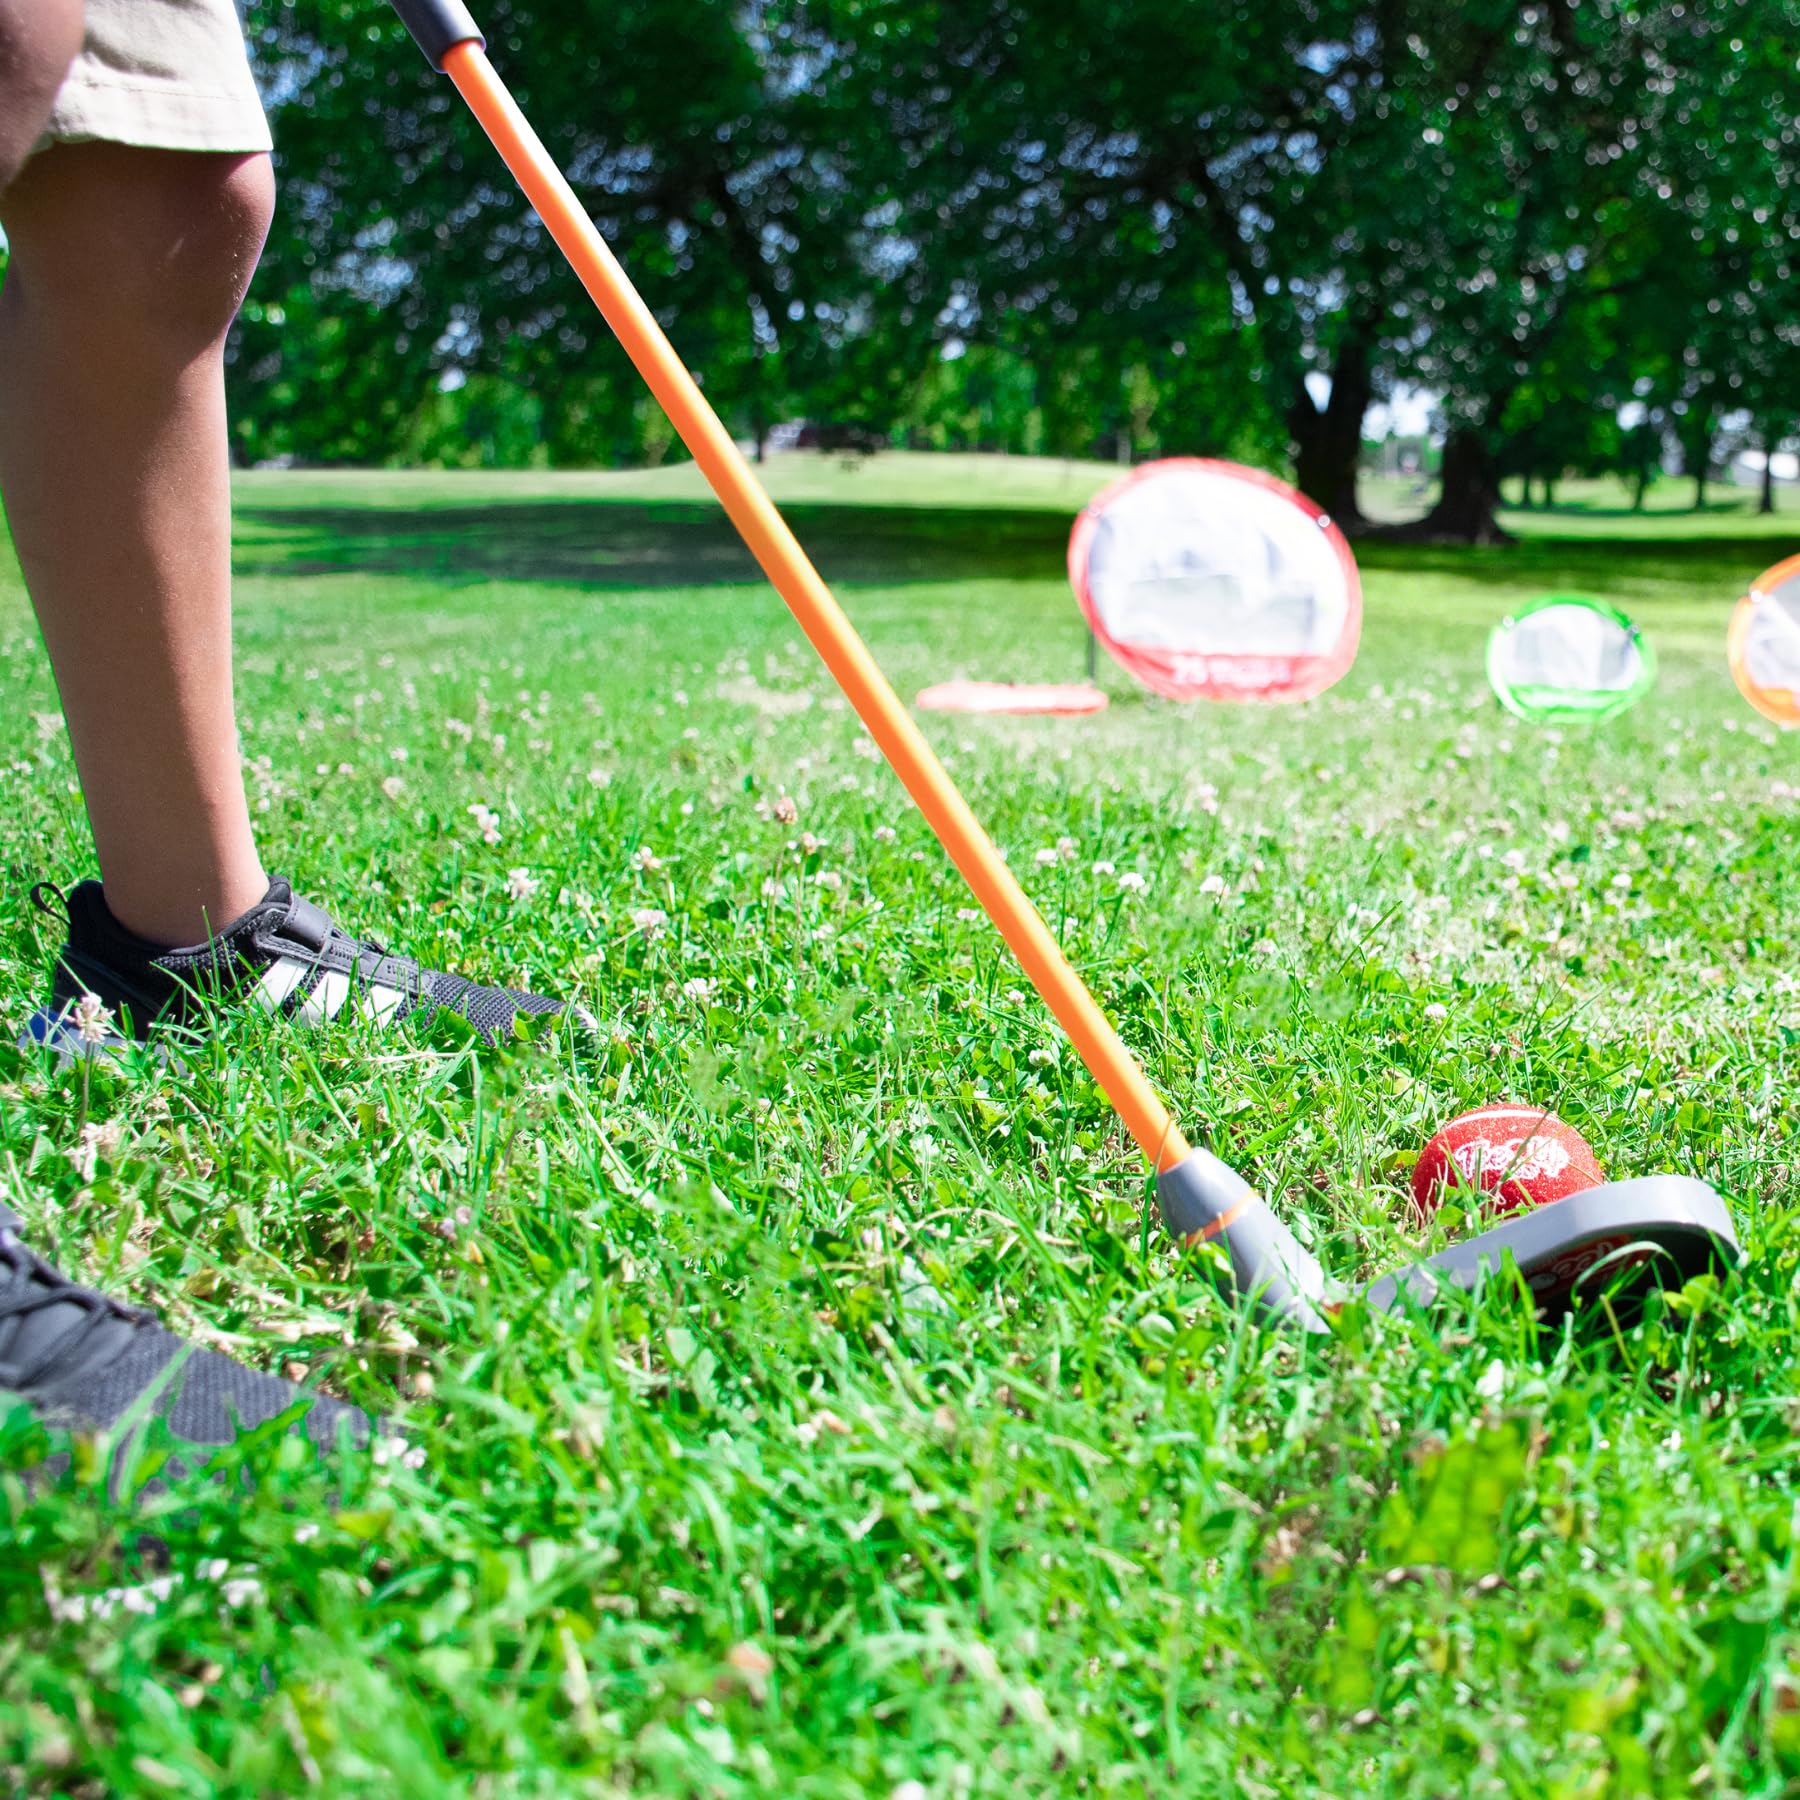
(1124, 227)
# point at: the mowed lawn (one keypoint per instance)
(810, 1404)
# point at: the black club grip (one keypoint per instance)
(438, 26)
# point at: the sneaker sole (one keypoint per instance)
(57, 1035)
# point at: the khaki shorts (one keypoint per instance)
(165, 74)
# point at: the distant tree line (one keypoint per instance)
(1116, 227)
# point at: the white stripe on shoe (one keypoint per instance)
(379, 1004)
(282, 979)
(278, 982)
(327, 999)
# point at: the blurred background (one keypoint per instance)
(1446, 247)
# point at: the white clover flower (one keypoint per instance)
(828, 878)
(521, 884)
(700, 987)
(599, 778)
(1065, 849)
(1105, 868)
(651, 921)
(93, 1019)
(1131, 882)
(96, 1141)
(1437, 1012)
(393, 787)
(646, 859)
(1045, 858)
(1213, 884)
(785, 811)
(885, 834)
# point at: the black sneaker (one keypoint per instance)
(285, 954)
(89, 1363)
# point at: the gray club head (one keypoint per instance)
(1661, 1230)
(1665, 1228)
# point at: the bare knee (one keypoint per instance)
(147, 250)
(38, 41)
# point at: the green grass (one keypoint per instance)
(809, 1407)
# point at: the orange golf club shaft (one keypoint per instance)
(821, 618)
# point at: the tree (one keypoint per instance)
(1587, 197)
(404, 264)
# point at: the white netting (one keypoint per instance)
(1772, 644)
(1208, 581)
(1570, 649)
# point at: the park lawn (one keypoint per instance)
(809, 1405)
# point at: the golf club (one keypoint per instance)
(1202, 1199)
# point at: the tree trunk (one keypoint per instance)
(1641, 487)
(1468, 497)
(1768, 481)
(1328, 442)
(1525, 491)
(1696, 451)
(1549, 492)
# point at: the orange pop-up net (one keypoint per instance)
(1764, 644)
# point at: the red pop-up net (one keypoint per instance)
(1210, 581)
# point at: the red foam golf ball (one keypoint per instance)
(1518, 1156)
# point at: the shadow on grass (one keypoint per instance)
(1587, 564)
(619, 544)
(1648, 517)
(610, 544)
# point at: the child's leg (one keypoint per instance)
(38, 41)
(128, 267)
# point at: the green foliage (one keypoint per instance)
(807, 1406)
(1080, 226)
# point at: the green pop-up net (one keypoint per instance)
(1569, 659)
